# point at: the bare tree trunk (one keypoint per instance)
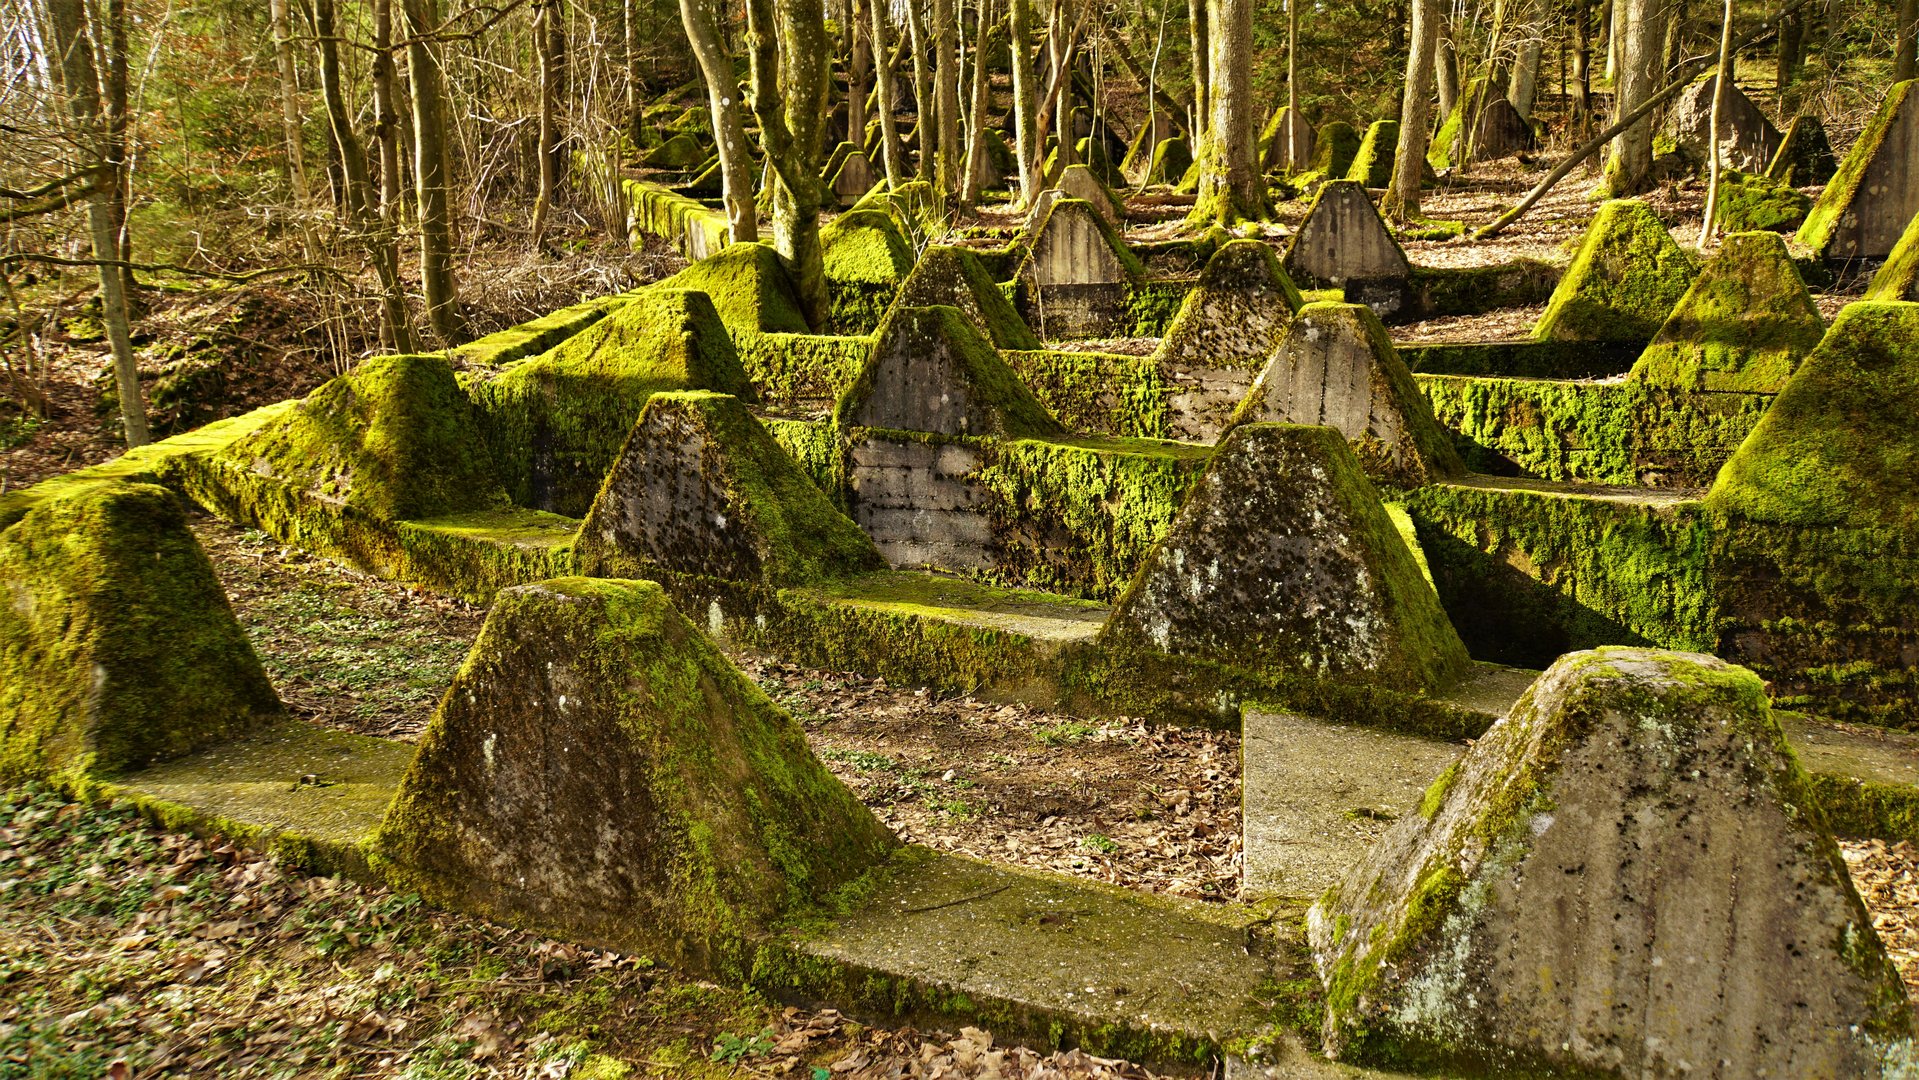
(947, 98)
(924, 121)
(549, 41)
(630, 32)
(886, 83)
(386, 113)
(373, 231)
(702, 21)
(1523, 86)
(1582, 105)
(1019, 18)
(98, 108)
(791, 66)
(1196, 14)
(976, 161)
(1722, 82)
(860, 70)
(1062, 54)
(1293, 128)
(289, 100)
(1905, 48)
(1446, 72)
(1401, 202)
(431, 168)
(1639, 28)
(1230, 188)
(1792, 40)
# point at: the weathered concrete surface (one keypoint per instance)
(1225, 330)
(1316, 796)
(1277, 152)
(1625, 877)
(1805, 154)
(931, 371)
(954, 277)
(1282, 561)
(1742, 326)
(1078, 182)
(1501, 131)
(1623, 282)
(854, 178)
(1335, 365)
(1875, 193)
(598, 770)
(1343, 243)
(701, 488)
(1748, 141)
(918, 502)
(1071, 248)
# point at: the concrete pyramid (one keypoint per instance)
(1838, 446)
(599, 770)
(931, 371)
(1501, 131)
(1073, 245)
(1743, 326)
(1274, 142)
(1282, 561)
(1748, 140)
(1626, 876)
(954, 277)
(1335, 365)
(1343, 241)
(1898, 279)
(1805, 156)
(1171, 158)
(1079, 182)
(701, 488)
(1334, 147)
(1623, 282)
(1222, 335)
(1373, 164)
(1866, 206)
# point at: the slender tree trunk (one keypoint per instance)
(1905, 49)
(859, 71)
(1415, 113)
(549, 40)
(1523, 85)
(98, 108)
(1721, 92)
(1293, 128)
(1792, 40)
(1640, 31)
(386, 113)
(925, 122)
(630, 33)
(1019, 17)
(1582, 105)
(1062, 53)
(1196, 14)
(976, 157)
(702, 21)
(791, 66)
(946, 169)
(431, 168)
(1446, 72)
(886, 83)
(1230, 188)
(289, 99)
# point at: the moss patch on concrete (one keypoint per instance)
(749, 289)
(1623, 282)
(1748, 201)
(955, 277)
(1372, 164)
(865, 258)
(1742, 326)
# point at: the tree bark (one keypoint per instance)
(1523, 87)
(858, 71)
(926, 137)
(431, 168)
(1582, 106)
(549, 40)
(1019, 17)
(946, 169)
(1401, 202)
(1446, 72)
(1722, 83)
(702, 21)
(1230, 187)
(1639, 29)
(1905, 50)
(386, 113)
(98, 108)
(886, 83)
(289, 100)
(976, 161)
(1292, 80)
(791, 62)
(1792, 39)
(1196, 15)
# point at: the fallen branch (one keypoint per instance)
(1682, 77)
(15, 258)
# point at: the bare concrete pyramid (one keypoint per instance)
(599, 770)
(1865, 207)
(1079, 182)
(954, 277)
(1222, 335)
(701, 488)
(1335, 365)
(1743, 326)
(931, 371)
(1748, 140)
(1073, 245)
(1283, 562)
(1628, 876)
(1344, 244)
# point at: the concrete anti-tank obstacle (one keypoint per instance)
(1628, 876)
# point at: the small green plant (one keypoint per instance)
(1099, 843)
(863, 760)
(1065, 734)
(730, 1049)
(17, 431)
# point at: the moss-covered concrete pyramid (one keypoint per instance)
(748, 287)
(1866, 205)
(1748, 201)
(931, 371)
(701, 488)
(1224, 332)
(598, 770)
(1073, 245)
(1628, 874)
(1171, 158)
(1898, 279)
(1335, 365)
(1080, 182)
(1283, 562)
(1334, 147)
(865, 257)
(392, 439)
(117, 645)
(681, 152)
(954, 277)
(1373, 163)
(1839, 445)
(556, 421)
(1282, 131)
(1743, 326)
(1623, 282)
(1343, 241)
(1805, 155)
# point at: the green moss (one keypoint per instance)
(1436, 792)
(1898, 279)
(118, 646)
(1439, 291)
(1748, 202)
(748, 288)
(1839, 445)
(1825, 220)
(1171, 159)
(556, 422)
(1334, 148)
(701, 488)
(703, 822)
(955, 276)
(393, 438)
(1863, 809)
(1521, 359)
(1623, 282)
(693, 229)
(537, 336)
(803, 371)
(1099, 393)
(1064, 208)
(1742, 326)
(681, 152)
(994, 399)
(865, 259)
(1804, 156)
(1372, 164)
